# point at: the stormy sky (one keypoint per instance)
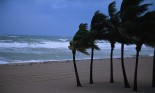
(49, 17)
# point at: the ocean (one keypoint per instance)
(24, 48)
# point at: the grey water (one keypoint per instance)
(24, 48)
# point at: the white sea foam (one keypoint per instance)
(3, 62)
(151, 55)
(27, 49)
(57, 44)
(63, 40)
(5, 40)
(47, 44)
(118, 46)
(31, 61)
(10, 36)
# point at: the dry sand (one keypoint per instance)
(59, 77)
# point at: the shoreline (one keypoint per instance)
(59, 61)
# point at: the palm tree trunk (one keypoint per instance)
(111, 64)
(91, 66)
(75, 69)
(136, 68)
(153, 76)
(123, 68)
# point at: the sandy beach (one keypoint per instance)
(59, 77)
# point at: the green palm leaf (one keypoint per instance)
(112, 9)
(127, 3)
(83, 40)
(98, 24)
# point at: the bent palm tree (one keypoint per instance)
(72, 47)
(92, 58)
(131, 12)
(141, 39)
(97, 24)
(77, 44)
(81, 42)
(117, 37)
(93, 47)
(112, 31)
(148, 28)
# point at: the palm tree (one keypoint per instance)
(148, 28)
(78, 44)
(124, 40)
(141, 39)
(81, 41)
(72, 47)
(112, 34)
(93, 47)
(116, 36)
(97, 24)
(131, 12)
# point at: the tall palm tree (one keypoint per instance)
(78, 44)
(148, 28)
(142, 37)
(116, 36)
(93, 47)
(81, 42)
(113, 22)
(97, 24)
(72, 47)
(131, 12)
(124, 40)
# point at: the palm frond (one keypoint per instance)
(149, 40)
(98, 23)
(130, 9)
(83, 40)
(118, 13)
(81, 32)
(128, 3)
(112, 9)
(149, 16)
(96, 47)
(130, 13)
(142, 9)
(83, 51)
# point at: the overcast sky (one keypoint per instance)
(49, 17)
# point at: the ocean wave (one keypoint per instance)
(107, 45)
(13, 36)
(3, 62)
(58, 44)
(63, 40)
(47, 44)
(31, 61)
(5, 40)
(151, 55)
